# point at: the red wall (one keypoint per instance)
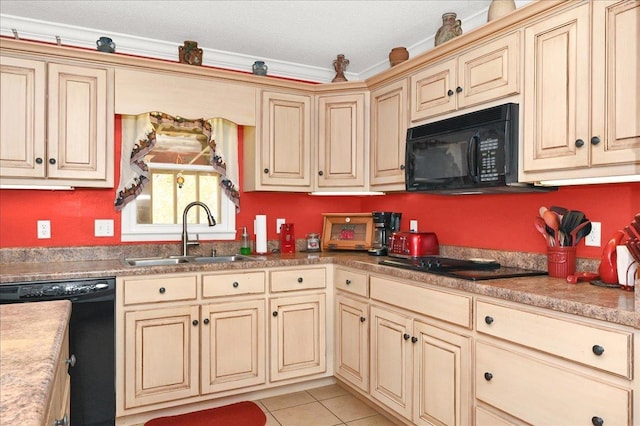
(502, 222)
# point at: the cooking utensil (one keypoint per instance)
(553, 221)
(559, 210)
(581, 276)
(579, 232)
(540, 225)
(569, 222)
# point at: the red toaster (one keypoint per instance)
(413, 244)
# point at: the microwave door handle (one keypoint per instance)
(472, 166)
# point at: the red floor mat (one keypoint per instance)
(240, 414)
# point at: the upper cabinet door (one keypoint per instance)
(285, 144)
(341, 155)
(22, 114)
(433, 90)
(78, 119)
(556, 103)
(616, 89)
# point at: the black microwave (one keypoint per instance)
(468, 154)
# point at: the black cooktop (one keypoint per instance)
(467, 269)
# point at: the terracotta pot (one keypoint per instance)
(398, 55)
(499, 8)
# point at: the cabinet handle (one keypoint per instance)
(595, 140)
(405, 336)
(71, 361)
(275, 313)
(266, 171)
(64, 421)
(320, 173)
(38, 160)
(449, 92)
(206, 321)
(458, 89)
(162, 290)
(488, 319)
(597, 349)
(579, 143)
(194, 322)
(300, 279)
(52, 161)
(362, 319)
(401, 166)
(347, 282)
(597, 421)
(235, 284)
(414, 339)
(488, 376)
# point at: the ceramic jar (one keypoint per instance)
(451, 27)
(398, 55)
(499, 8)
(105, 44)
(259, 68)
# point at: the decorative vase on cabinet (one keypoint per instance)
(451, 27)
(499, 8)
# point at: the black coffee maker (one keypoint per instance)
(384, 224)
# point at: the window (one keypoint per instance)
(179, 173)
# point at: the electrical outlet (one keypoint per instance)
(279, 222)
(413, 225)
(44, 229)
(593, 238)
(103, 228)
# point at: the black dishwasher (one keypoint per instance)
(91, 341)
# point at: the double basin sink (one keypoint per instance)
(177, 260)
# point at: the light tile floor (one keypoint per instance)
(324, 406)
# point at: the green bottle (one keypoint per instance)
(245, 247)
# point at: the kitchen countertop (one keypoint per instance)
(583, 299)
(31, 335)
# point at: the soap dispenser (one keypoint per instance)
(245, 246)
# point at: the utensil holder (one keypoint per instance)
(561, 261)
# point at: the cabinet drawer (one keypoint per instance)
(218, 285)
(162, 289)
(351, 281)
(542, 393)
(574, 341)
(441, 305)
(298, 279)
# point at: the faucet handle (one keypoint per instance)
(195, 242)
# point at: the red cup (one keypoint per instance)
(561, 261)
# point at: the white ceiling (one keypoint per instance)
(297, 39)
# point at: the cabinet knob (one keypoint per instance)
(405, 336)
(194, 322)
(347, 282)
(38, 160)
(597, 349)
(52, 161)
(414, 339)
(71, 361)
(579, 143)
(458, 89)
(362, 319)
(235, 284)
(275, 313)
(64, 421)
(597, 421)
(401, 166)
(488, 319)
(162, 290)
(488, 376)
(449, 92)
(206, 321)
(595, 140)
(300, 279)
(320, 173)
(266, 171)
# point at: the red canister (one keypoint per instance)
(287, 239)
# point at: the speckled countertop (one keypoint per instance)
(608, 304)
(31, 335)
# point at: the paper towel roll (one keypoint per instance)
(260, 229)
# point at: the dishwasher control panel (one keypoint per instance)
(53, 290)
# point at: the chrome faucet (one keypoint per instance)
(185, 235)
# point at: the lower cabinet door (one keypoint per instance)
(539, 392)
(352, 341)
(161, 353)
(298, 340)
(391, 352)
(233, 345)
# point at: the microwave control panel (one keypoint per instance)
(490, 167)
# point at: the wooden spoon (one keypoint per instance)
(553, 221)
(538, 222)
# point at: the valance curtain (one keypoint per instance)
(139, 138)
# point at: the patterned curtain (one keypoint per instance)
(139, 137)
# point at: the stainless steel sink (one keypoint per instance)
(155, 261)
(223, 259)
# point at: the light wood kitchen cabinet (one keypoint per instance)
(278, 155)
(233, 345)
(487, 72)
(57, 123)
(581, 105)
(388, 136)
(58, 411)
(352, 340)
(541, 368)
(341, 142)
